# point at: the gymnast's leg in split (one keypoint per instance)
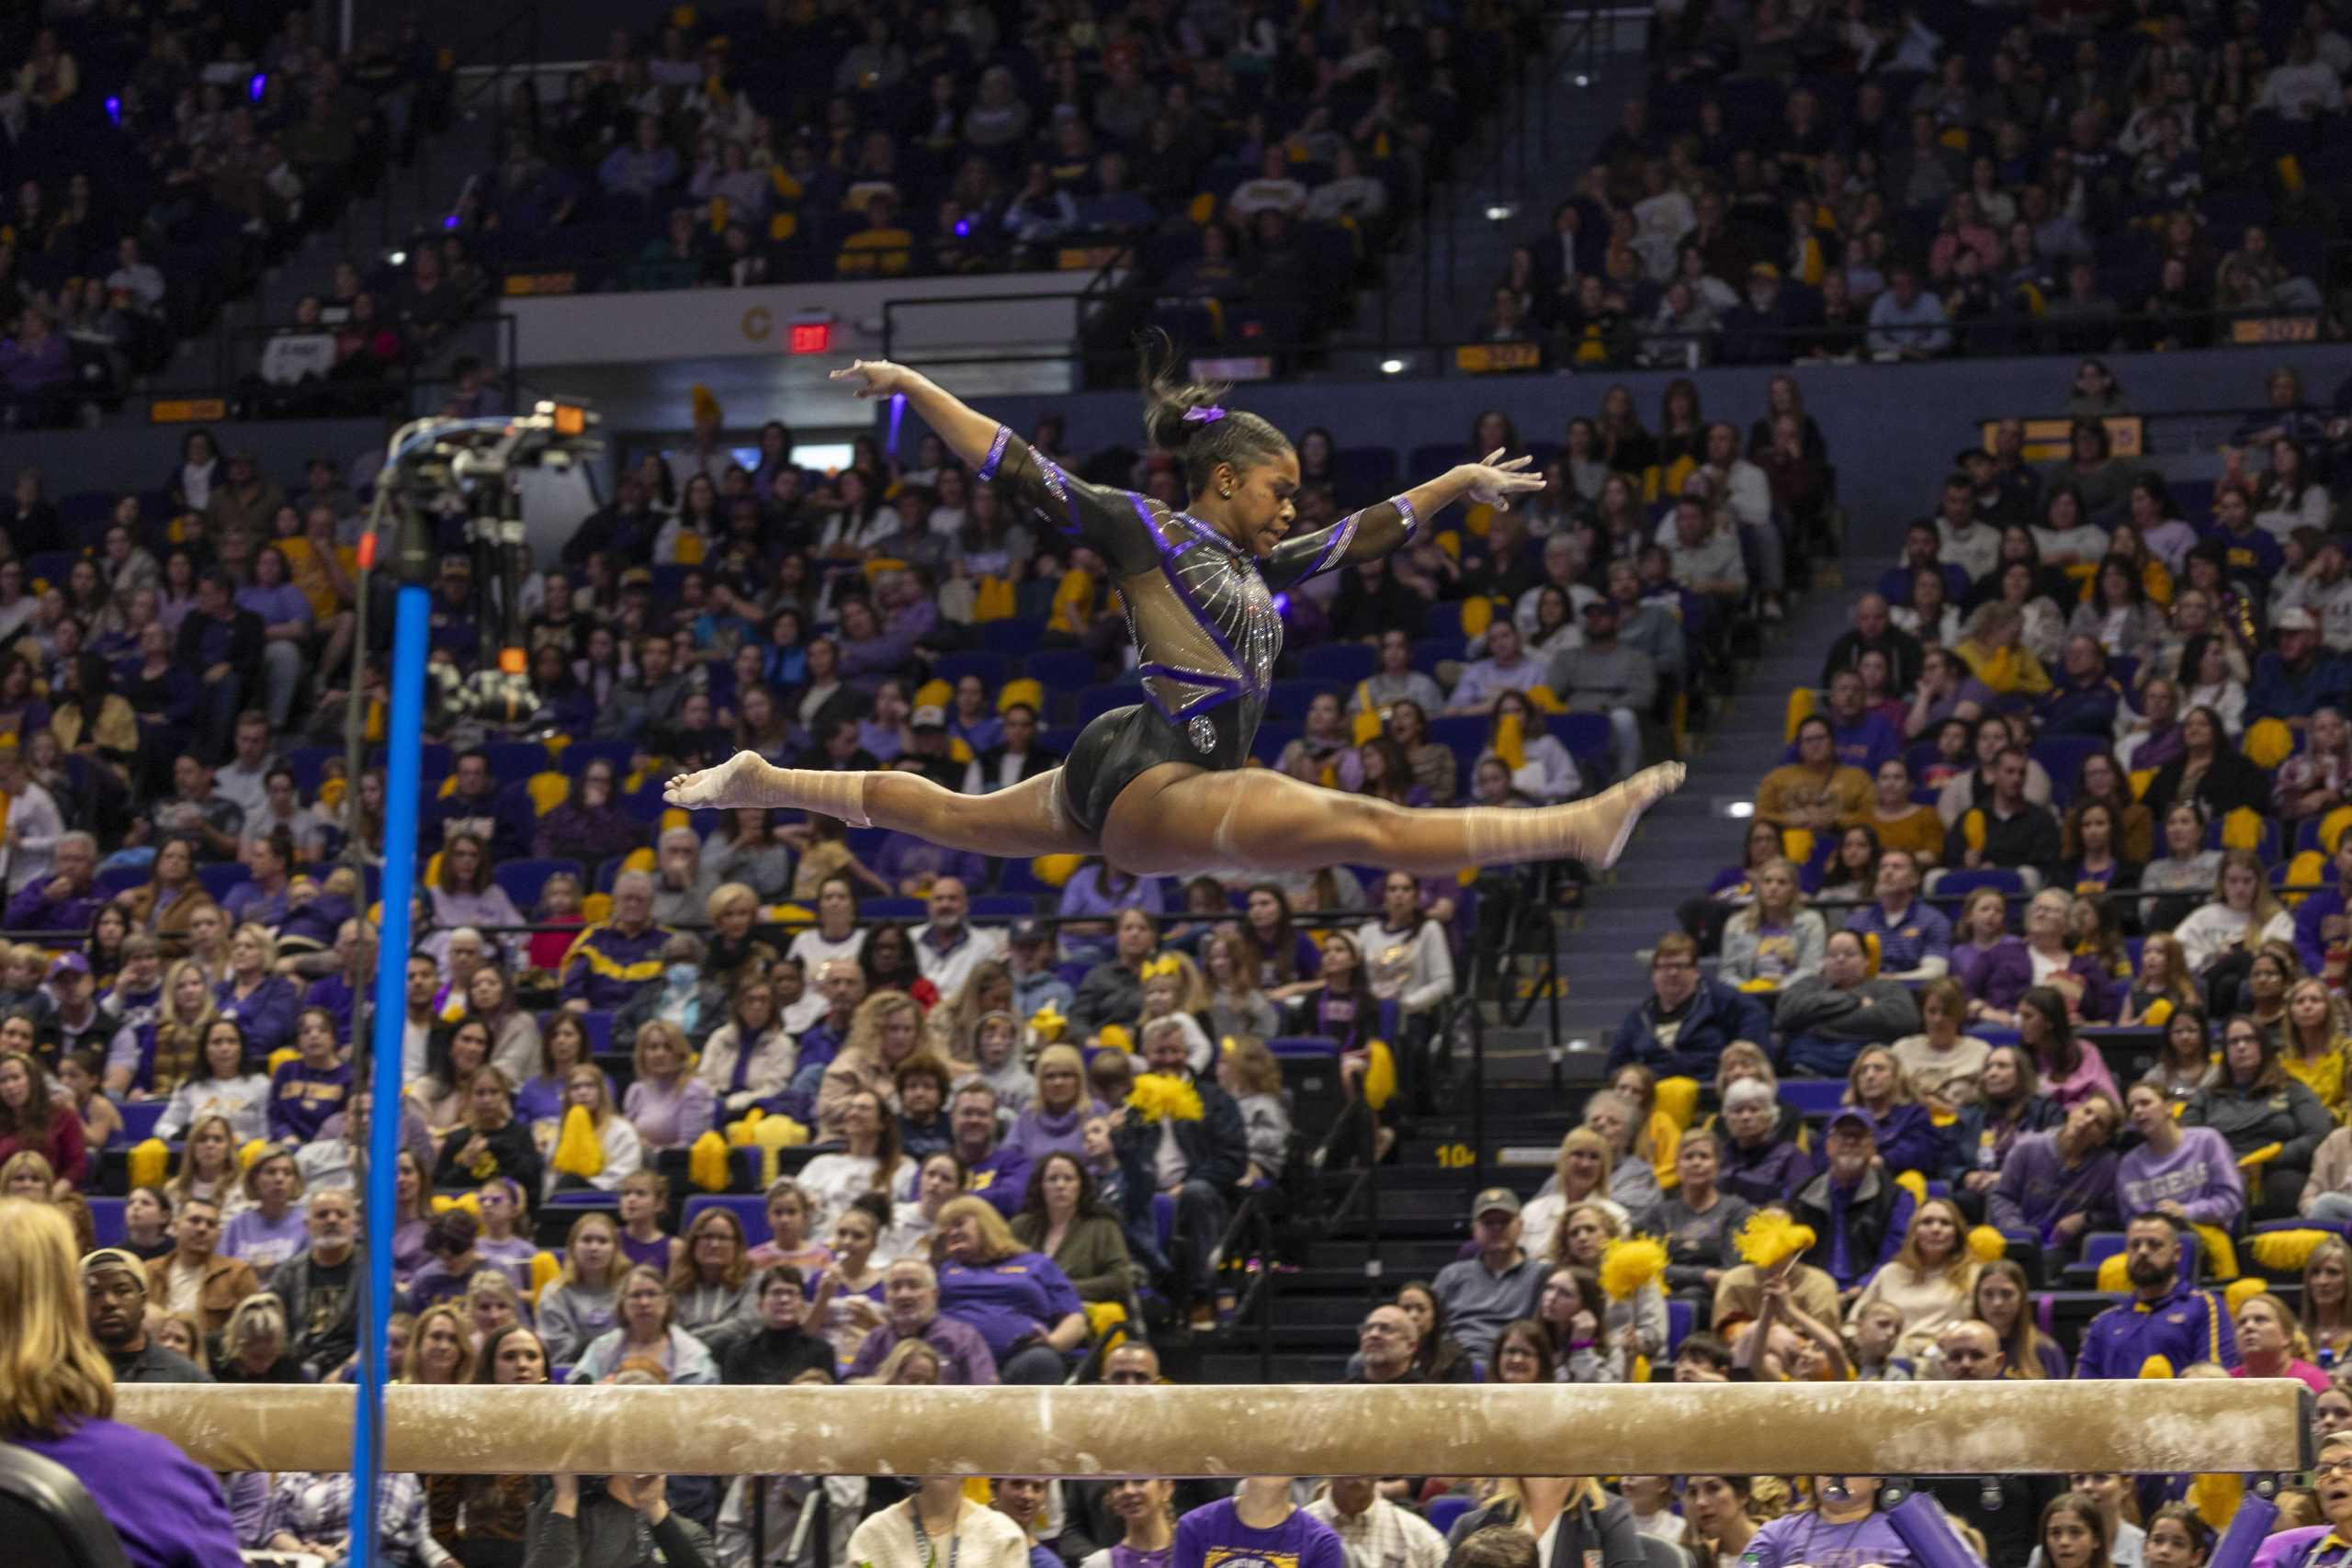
(1176, 819)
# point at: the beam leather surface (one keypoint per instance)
(1230, 1430)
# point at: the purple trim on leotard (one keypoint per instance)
(1413, 524)
(987, 470)
(1343, 534)
(1202, 535)
(1221, 688)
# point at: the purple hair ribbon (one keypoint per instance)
(1208, 414)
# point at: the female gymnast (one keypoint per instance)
(1162, 787)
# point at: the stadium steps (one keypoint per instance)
(1686, 840)
(1469, 252)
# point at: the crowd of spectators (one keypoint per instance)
(158, 165)
(1815, 183)
(1256, 164)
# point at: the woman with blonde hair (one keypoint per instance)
(1633, 1327)
(254, 1344)
(1878, 1088)
(645, 1337)
(951, 1028)
(1931, 1281)
(2271, 1344)
(668, 1105)
(868, 1160)
(440, 1348)
(1236, 1004)
(179, 1332)
(884, 1032)
(1774, 941)
(2163, 987)
(1633, 1181)
(618, 1146)
(28, 1175)
(2327, 1297)
(713, 1293)
(182, 1018)
(264, 1002)
(1580, 1172)
(2003, 1301)
(1573, 1522)
(1059, 1107)
(57, 1400)
(2242, 915)
(583, 1302)
(1247, 1070)
(207, 1166)
(911, 1363)
(1019, 1301)
(2316, 1048)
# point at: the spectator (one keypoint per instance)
(2061, 1185)
(167, 1513)
(1688, 1020)
(2008, 829)
(195, 1278)
(1914, 939)
(1827, 1018)
(1195, 1160)
(1906, 322)
(1481, 1294)
(2188, 1173)
(1857, 1213)
(1816, 790)
(910, 1289)
(2272, 1123)
(2166, 1317)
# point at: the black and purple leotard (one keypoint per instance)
(1200, 607)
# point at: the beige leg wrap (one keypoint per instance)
(825, 791)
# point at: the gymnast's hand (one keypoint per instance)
(873, 377)
(1493, 483)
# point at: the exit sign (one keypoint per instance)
(811, 337)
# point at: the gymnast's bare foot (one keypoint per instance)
(1614, 811)
(730, 784)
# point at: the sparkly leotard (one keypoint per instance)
(1200, 608)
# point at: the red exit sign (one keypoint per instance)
(811, 337)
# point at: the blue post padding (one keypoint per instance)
(1919, 1520)
(2249, 1527)
(404, 782)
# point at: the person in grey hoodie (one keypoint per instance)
(1607, 676)
(1828, 1018)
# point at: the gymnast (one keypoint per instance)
(1162, 787)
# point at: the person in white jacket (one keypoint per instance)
(617, 1140)
(917, 1532)
(749, 1057)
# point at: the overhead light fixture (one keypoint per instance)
(1392, 366)
(1500, 211)
(398, 258)
(1740, 808)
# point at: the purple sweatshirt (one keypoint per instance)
(1807, 1537)
(166, 1510)
(2201, 1175)
(2037, 1190)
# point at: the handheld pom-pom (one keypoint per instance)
(1629, 1263)
(707, 1165)
(1163, 1097)
(2156, 1366)
(578, 1150)
(2241, 1291)
(2287, 1250)
(1988, 1245)
(1770, 1239)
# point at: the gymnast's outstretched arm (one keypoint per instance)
(1390, 525)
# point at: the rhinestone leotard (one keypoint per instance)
(1200, 608)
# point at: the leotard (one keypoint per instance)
(1200, 608)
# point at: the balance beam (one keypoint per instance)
(1874, 1428)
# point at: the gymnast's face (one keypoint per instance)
(1259, 501)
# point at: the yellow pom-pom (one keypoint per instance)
(1911, 1181)
(707, 1163)
(278, 1058)
(1164, 1097)
(1054, 870)
(1629, 1263)
(2241, 1291)
(1047, 1023)
(1116, 1037)
(1988, 1245)
(740, 1133)
(578, 1150)
(148, 1160)
(1677, 1097)
(2220, 1252)
(544, 1271)
(2114, 1274)
(1769, 1238)
(252, 1150)
(2156, 1366)
(2286, 1251)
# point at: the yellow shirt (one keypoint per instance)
(2322, 1075)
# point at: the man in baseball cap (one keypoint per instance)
(927, 748)
(1480, 1295)
(114, 1293)
(2301, 676)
